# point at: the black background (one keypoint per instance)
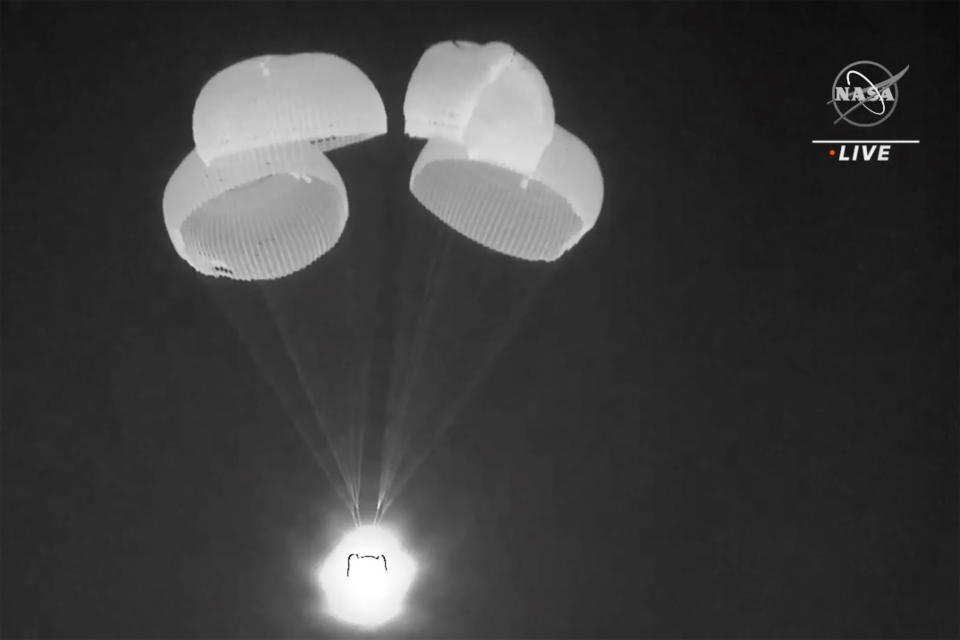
(731, 412)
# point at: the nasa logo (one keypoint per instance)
(865, 93)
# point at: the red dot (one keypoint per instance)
(832, 152)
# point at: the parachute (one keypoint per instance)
(270, 100)
(536, 217)
(258, 199)
(496, 168)
(488, 98)
(259, 219)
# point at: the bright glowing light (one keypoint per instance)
(366, 577)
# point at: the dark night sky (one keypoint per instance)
(731, 411)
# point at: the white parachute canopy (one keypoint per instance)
(534, 218)
(496, 167)
(258, 199)
(487, 97)
(272, 100)
(255, 220)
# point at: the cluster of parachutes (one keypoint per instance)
(258, 199)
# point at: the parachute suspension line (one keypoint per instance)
(401, 389)
(314, 452)
(348, 500)
(380, 495)
(355, 514)
(394, 442)
(407, 341)
(357, 428)
(316, 410)
(444, 424)
(480, 374)
(414, 364)
(284, 399)
(408, 361)
(354, 500)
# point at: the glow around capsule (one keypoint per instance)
(365, 579)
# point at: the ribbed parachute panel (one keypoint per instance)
(488, 98)
(265, 217)
(570, 169)
(271, 100)
(533, 218)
